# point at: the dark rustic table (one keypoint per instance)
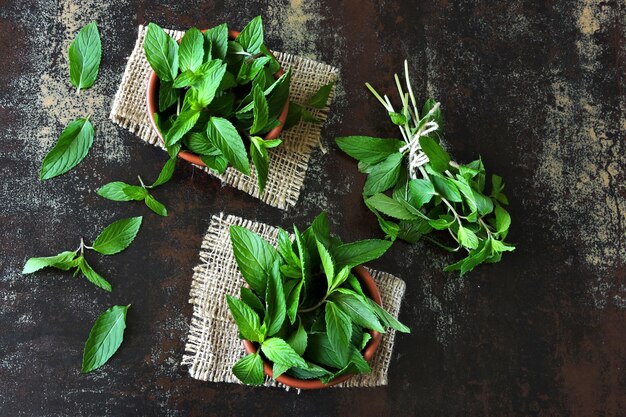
(537, 89)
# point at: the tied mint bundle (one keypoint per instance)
(415, 182)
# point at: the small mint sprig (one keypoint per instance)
(113, 239)
(121, 191)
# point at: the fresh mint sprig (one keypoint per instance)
(415, 182)
(113, 239)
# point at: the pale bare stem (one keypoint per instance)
(454, 164)
(315, 307)
(489, 233)
(424, 174)
(409, 88)
(399, 87)
(389, 105)
(141, 182)
(369, 87)
(178, 106)
(81, 247)
(456, 215)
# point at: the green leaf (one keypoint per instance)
(303, 255)
(186, 79)
(503, 221)
(249, 369)
(390, 207)
(420, 192)
(275, 304)
(246, 318)
(254, 256)
(467, 238)
(218, 38)
(105, 338)
(261, 161)
(339, 330)
(191, 50)
(260, 109)
(84, 55)
(212, 74)
(327, 263)
(384, 175)
(356, 308)
(216, 163)
(397, 118)
(251, 37)
(360, 252)
(439, 159)
(467, 193)
(320, 350)
(117, 236)
(446, 188)
(155, 206)
(183, 124)
(279, 351)
(117, 191)
(436, 116)
(483, 204)
(320, 98)
(293, 301)
(199, 144)
(166, 172)
(298, 339)
(70, 149)
(168, 95)
(61, 261)
(278, 94)
(92, 276)
(387, 319)
(250, 68)
(161, 52)
(224, 137)
(250, 298)
(367, 149)
(313, 371)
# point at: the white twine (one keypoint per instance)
(417, 157)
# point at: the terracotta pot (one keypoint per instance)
(152, 101)
(370, 289)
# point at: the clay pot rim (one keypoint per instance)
(152, 107)
(370, 289)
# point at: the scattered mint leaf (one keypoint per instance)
(92, 276)
(117, 236)
(155, 205)
(105, 338)
(70, 149)
(84, 55)
(166, 172)
(61, 261)
(120, 191)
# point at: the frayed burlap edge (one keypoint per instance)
(213, 343)
(288, 162)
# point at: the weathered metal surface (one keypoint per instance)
(536, 88)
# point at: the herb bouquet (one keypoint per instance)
(307, 309)
(415, 182)
(220, 97)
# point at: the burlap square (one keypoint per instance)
(213, 343)
(288, 162)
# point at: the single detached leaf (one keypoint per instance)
(92, 276)
(251, 37)
(61, 261)
(439, 159)
(339, 330)
(279, 351)
(249, 369)
(120, 191)
(191, 51)
(105, 338)
(384, 175)
(161, 52)
(367, 149)
(117, 236)
(225, 137)
(155, 205)
(254, 256)
(84, 55)
(320, 98)
(360, 252)
(166, 172)
(260, 109)
(246, 318)
(70, 149)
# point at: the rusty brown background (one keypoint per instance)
(537, 88)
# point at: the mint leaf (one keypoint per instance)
(92, 276)
(387, 319)
(384, 175)
(249, 369)
(327, 263)
(251, 37)
(250, 298)
(279, 352)
(339, 330)
(216, 163)
(446, 188)
(246, 318)
(61, 261)
(120, 191)
(360, 252)
(467, 238)
(420, 192)
(367, 149)
(191, 51)
(84, 55)
(218, 39)
(212, 75)
(503, 221)
(70, 149)
(278, 94)
(250, 68)
(356, 308)
(390, 207)
(320, 350)
(298, 339)
(320, 98)
(397, 119)
(166, 172)
(199, 144)
(224, 137)
(161, 52)
(255, 257)
(260, 109)
(117, 236)
(105, 338)
(155, 206)
(168, 95)
(439, 159)
(275, 304)
(183, 124)
(293, 301)
(261, 161)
